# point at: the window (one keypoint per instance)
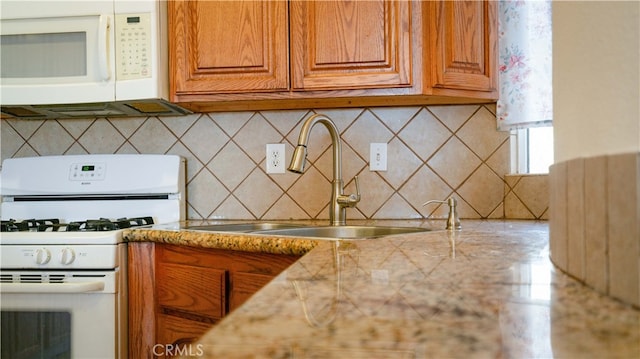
(532, 150)
(540, 154)
(525, 105)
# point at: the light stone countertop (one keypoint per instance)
(488, 291)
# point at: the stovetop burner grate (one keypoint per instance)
(89, 225)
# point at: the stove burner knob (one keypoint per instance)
(42, 256)
(67, 256)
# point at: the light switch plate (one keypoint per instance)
(275, 158)
(378, 157)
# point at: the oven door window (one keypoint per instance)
(34, 334)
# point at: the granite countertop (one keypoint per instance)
(177, 233)
(488, 291)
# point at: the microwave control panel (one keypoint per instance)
(133, 46)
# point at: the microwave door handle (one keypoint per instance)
(103, 47)
(82, 287)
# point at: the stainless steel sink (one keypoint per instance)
(243, 227)
(301, 230)
(343, 232)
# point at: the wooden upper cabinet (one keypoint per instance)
(350, 44)
(463, 43)
(279, 54)
(228, 46)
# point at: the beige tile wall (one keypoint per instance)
(526, 196)
(434, 152)
(595, 222)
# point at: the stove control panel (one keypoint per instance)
(78, 175)
(87, 171)
(60, 256)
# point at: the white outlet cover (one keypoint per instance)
(378, 157)
(276, 160)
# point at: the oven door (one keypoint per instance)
(82, 319)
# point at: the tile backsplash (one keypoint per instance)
(526, 196)
(434, 152)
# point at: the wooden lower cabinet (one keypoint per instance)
(244, 286)
(177, 293)
(178, 331)
(192, 290)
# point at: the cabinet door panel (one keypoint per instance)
(244, 285)
(350, 44)
(464, 41)
(196, 290)
(231, 46)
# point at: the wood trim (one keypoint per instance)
(347, 102)
(142, 299)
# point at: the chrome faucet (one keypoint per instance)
(339, 201)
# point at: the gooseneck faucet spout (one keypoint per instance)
(339, 201)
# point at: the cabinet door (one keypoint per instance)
(463, 38)
(244, 285)
(227, 46)
(176, 333)
(185, 290)
(350, 44)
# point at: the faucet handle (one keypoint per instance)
(352, 199)
(453, 222)
(357, 187)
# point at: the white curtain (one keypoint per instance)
(524, 64)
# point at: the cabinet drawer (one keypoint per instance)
(192, 289)
(180, 331)
(191, 256)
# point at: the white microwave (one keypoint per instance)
(79, 58)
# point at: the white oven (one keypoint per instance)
(63, 314)
(63, 275)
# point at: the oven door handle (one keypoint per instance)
(81, 287)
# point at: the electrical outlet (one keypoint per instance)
(275, 158)
(378, 157)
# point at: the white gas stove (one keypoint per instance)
(60, 202)
(61, 250)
